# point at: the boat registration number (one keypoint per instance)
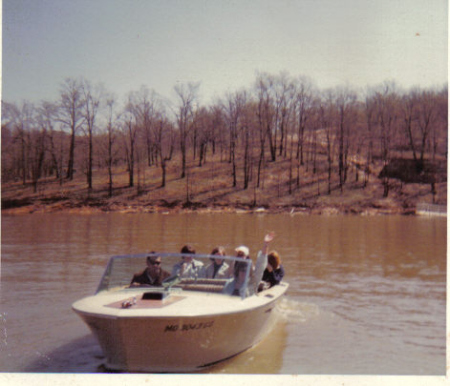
(188, 326)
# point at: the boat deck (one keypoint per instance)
(178, 302)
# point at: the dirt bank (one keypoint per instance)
(210, 189)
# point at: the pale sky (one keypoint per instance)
(221, 43)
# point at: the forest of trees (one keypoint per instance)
(279, 117)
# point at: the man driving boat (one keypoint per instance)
(153, 275)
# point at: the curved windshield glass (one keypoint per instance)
(179, 272)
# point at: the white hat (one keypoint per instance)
(243, 249)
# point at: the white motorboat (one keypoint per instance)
(184, 324)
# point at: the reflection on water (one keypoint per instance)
(81, 355)
(265, 358)
(366, 295)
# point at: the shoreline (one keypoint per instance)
(138, 208)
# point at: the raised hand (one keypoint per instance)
(269, 237)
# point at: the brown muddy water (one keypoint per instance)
(367, 294)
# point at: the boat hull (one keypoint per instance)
(170, 343)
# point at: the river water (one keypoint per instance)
(367, 294)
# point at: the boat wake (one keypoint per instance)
(297, 312)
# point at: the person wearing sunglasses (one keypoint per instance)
(153, 275)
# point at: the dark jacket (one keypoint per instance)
(143, 278)
(273, 277)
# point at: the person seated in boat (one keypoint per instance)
(188, 267)
(218, 269)
(153, 275)
(236, 286)
(244, 253)
(274, 272)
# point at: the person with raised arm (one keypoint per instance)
(274, 272)
(261, 263)
(236, 286)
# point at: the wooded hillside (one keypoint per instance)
(281, 144)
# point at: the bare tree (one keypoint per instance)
(218, 129)
(47, 115)
(304, 99)
(28, 144)
(7, 142)
(146, 110)
(91, 99)
(419, 113)
(345, 103)
(233, 111)
(130, 130)
(111, 137)
(326, 118)
(164, 140)
(37, 155)
(284, 91)
(187, 97)
(247, 128)
(20, 119)
(369, 113)
(386, 105)
(440, 135)
(43, 138)
(202, 133)
(71, 115)
(265, 119)
(409, 102)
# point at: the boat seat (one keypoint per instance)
(203, 281)
(203, 287)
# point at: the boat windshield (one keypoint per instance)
(179, 272)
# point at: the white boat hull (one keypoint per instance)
(212, 328)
